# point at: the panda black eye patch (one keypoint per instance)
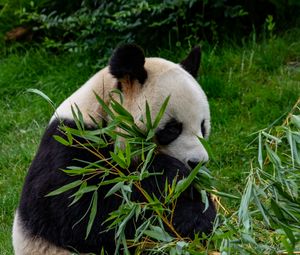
(169, 133)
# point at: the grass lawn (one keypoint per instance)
(248, 88)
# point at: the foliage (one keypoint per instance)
(96, 25)
(270, 205)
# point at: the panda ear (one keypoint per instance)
(192, 61)
(127, 63)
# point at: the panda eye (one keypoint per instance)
(203, 129)
(169, 133)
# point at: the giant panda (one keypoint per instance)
(46, 225)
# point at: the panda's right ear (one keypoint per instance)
(192, 61)
(127, 64)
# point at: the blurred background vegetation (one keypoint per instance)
(250, 72)
(99, 25)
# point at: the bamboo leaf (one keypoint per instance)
(70, 137)
(105, 107)
(79, 116)
(273, 156)
(146, 163)
(64, 188)
(43, 95)
(92, 213)
(243, 212)
(158, 234)
(118, 108)
(183, 184)
(296, 151)
(125, 220)
(61, 140)
(271, 137)
(260, 157)
(148, 117)
(87, 189)
(118, 160)
(223, 194)
(161, 113)
(78, 196)
(295, 119)
(75, 118)
(205, 200)
(114, 189)
(264, 212)
(207, 148)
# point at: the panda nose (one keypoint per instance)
(193, 164)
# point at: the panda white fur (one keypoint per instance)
(46, 225)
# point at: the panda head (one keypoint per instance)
(152, 80)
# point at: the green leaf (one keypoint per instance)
(295, 119)
(260, 157)
(114, 189)
(70, 137)
(243, 213)
(87, 189)
(65, 188)
(273, 157)
(161, 113)
(119, 93)
(205, 200)
(92, 213)
(248, 238)
(141, 229)
(105, 107)
(295, 150)
(80, 116)
(277, 210)
(78, 196)
(293, 147)
(158, 234)
(264, 212)
(207, 148)
(43, 95)
(146, 162)
(118, 160)
(118, 108)
(223, 194)
(148, 117)
(76, 119)
(271, 137)
(126, 219)
(183, 184)
(150, 135)
(126, 188)
(61, 140)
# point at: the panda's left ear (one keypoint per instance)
(127, 64)
(192, 61)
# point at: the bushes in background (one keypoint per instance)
(92, 24)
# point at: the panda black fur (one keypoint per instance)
(48, 225)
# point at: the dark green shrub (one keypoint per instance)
(94, 24)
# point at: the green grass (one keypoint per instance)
(248, 88)
(25, 116)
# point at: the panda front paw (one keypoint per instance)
(190, 218)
